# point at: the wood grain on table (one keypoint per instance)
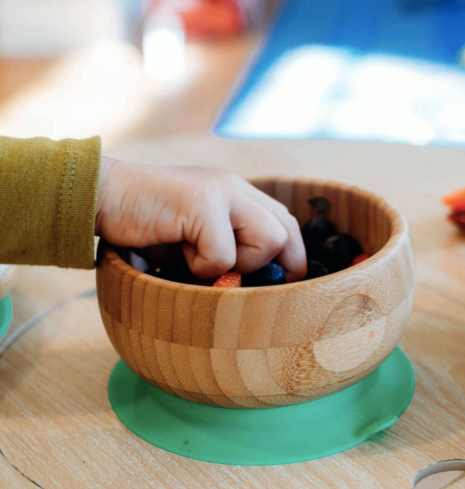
(57, 427)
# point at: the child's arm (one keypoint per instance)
(49, 211)
(48, 197)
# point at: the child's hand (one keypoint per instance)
(223, 221)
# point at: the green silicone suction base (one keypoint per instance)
(5, 315)
(273, 436)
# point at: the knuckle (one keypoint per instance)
(293, 222)
(222, 263)
(276, 241)
(234, 178)
(222, 176)
(282, 208)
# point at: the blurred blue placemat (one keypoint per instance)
(378, 70)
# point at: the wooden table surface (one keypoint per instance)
(57, 429)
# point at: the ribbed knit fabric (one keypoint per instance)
(48, 199)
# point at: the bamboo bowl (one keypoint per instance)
(268, 346)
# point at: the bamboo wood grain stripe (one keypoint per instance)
(248, 345)
(137, 305)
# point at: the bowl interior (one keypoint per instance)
(363, 215)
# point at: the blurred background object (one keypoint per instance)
(167, 24)
(390, 70)
(384, 70)
(203, 18)
(31, 28)
(124, 69)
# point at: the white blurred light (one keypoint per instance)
(291, 99)
(164, 53)
(318, 90)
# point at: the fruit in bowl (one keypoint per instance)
(327, 250)
(264, 346)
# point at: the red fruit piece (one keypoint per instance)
(229, 280)
(458, 218)
(455, 200)
(358, 259)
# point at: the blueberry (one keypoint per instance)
(271, 274)
(314, 232)
(337, 252)
(176, 271)
(320, 205)
(315, 269)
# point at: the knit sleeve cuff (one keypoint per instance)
(77, 203)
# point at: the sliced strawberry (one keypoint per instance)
(358, 259)
(229, 280)
(455, 200)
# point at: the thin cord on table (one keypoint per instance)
(42, 315)
(459, 478)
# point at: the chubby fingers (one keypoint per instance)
(292, 257)
(244, 234)
(260, 236)
(210, 249)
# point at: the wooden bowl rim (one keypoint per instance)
(399, 229)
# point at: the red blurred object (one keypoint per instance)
(229, 280)
(359, 259)
(213, 18)
(455, 200)
(206, 18)
(458, 218)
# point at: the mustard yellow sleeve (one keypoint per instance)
(48, 199)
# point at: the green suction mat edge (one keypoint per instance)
(272, 436)
(6, 312)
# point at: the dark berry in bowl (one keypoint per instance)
(271, 274)
(314, 233)
(315, 269)
(337, 252)
(320, 205)
(176, 271)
